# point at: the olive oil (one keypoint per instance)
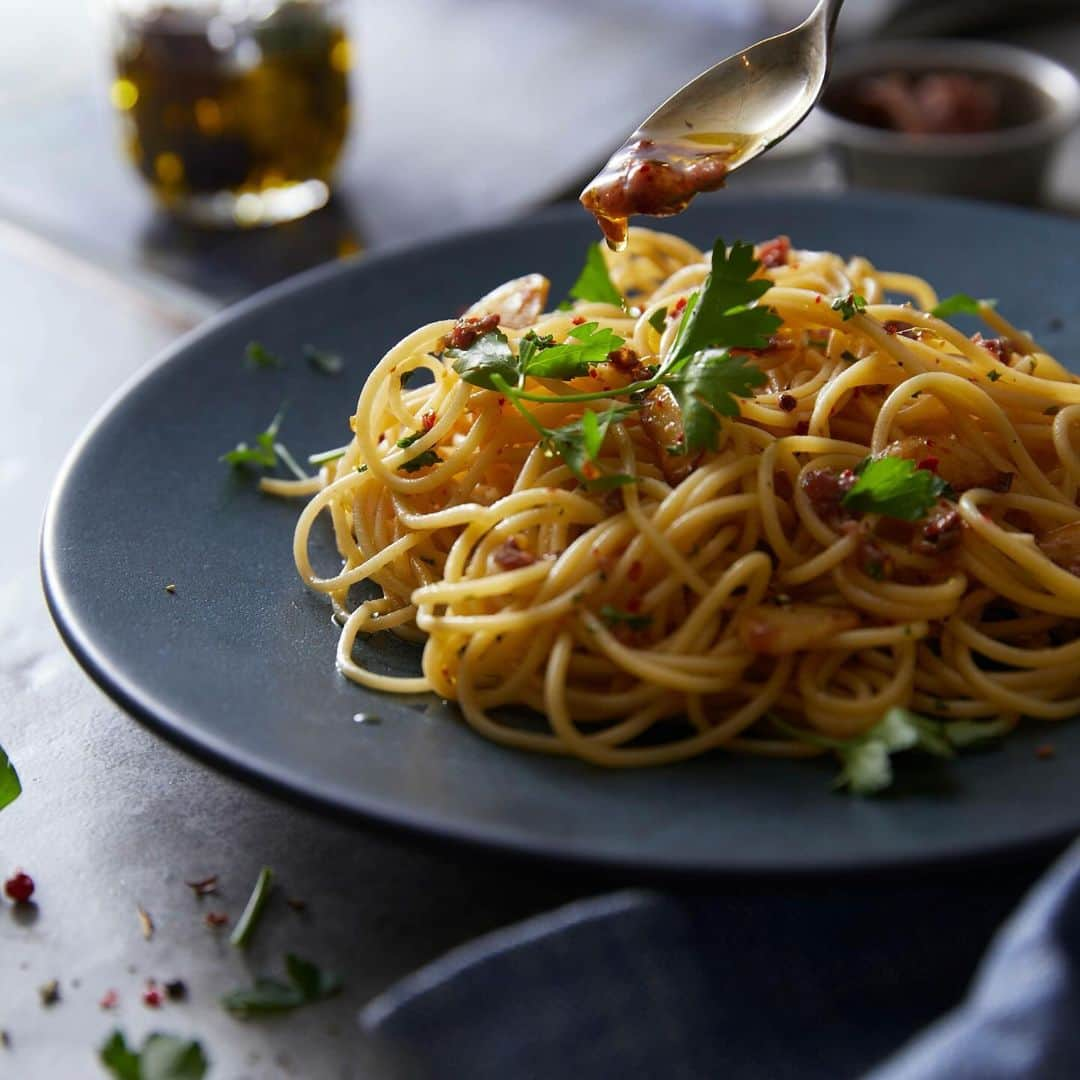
(234, 121)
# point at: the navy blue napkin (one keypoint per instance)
(799, 981)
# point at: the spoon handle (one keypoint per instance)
(827, 12)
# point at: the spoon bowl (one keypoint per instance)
(716, 123)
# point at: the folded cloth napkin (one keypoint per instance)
(800, 981)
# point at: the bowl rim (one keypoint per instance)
(1051, 78)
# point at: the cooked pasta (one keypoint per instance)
(650, 598)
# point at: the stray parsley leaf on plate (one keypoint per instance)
(307, 984)
(10, 788)
(258, 355)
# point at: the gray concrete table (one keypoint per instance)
(91, 286)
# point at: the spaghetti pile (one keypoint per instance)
(765, 535)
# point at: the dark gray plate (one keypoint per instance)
(237, 666)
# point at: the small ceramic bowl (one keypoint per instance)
(1038, 103)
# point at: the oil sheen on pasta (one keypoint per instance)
(757, 596)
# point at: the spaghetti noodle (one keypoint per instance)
(738, 596)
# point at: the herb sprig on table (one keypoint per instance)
(161, 1057)
(10, 787)
(307, 984)
(699, 369)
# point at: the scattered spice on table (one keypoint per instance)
(152, 997)
(109, 1000)
(204, 886)
(170, 588)
(176, 990)
(1045, 751)
(49, 992)
(5, 1039)
(146, 924)
(19, 887)
(216, 919)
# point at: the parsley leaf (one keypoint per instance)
(421, 461)
(894, 487)
(578, 444)
(613, 616)
(658, 319)
(258, 355)
(407, 440)
(307, 984)
(10, 788)
(264, 453)
(959, 304)
(570, 361)
(327, 363)
(849, 306)
(490, 354)
(993, 375)
(594, 282)
(253, 909)
(531, 343)
(708, 385)
(720, 314)
(162, 1057)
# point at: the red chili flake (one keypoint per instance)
(152, 996)
(635, 570)
(1044, 751)
(19, 887)
(204, 886)
(578, 320)
(502, 401)
(817, 299)
(929, 463)
(593, 373)
(428, 420)
(677, 307)
(216, 919)
(787, 402)
(109, 1000)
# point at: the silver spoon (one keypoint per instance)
(714, 125)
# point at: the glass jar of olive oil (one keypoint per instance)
(235, 111)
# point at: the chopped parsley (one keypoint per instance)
(594, 282)
(866, 761)
(849, 306)
(307, 984)
(259, 356)
(721, 314)
(699, 370)
(10, 788)
(265, 452)
(421, 461)
(245, 927)
(895, 488)
(959, 304)
(579, 442)
(161, 1057)
(993, 376)
(326, 363)
(658, 320)
(616, 616)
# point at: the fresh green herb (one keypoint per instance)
(993, 376)
(849, 306)
(10, 788)
(959, 304)
(895, 488)
(570, 361)
(698, 370)
(964, 733)
(264, 454)
(579, 442)
(594, 282)
(241, 935)
(421, 461)
(258, 355)
(613, 615)
(721, 315)
(658, 320)
(162, 1057)
(327, 456)
(326, 363)
(307, 984)
(407, 440)
(848, 356)
(489, 355)
(707, 386)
